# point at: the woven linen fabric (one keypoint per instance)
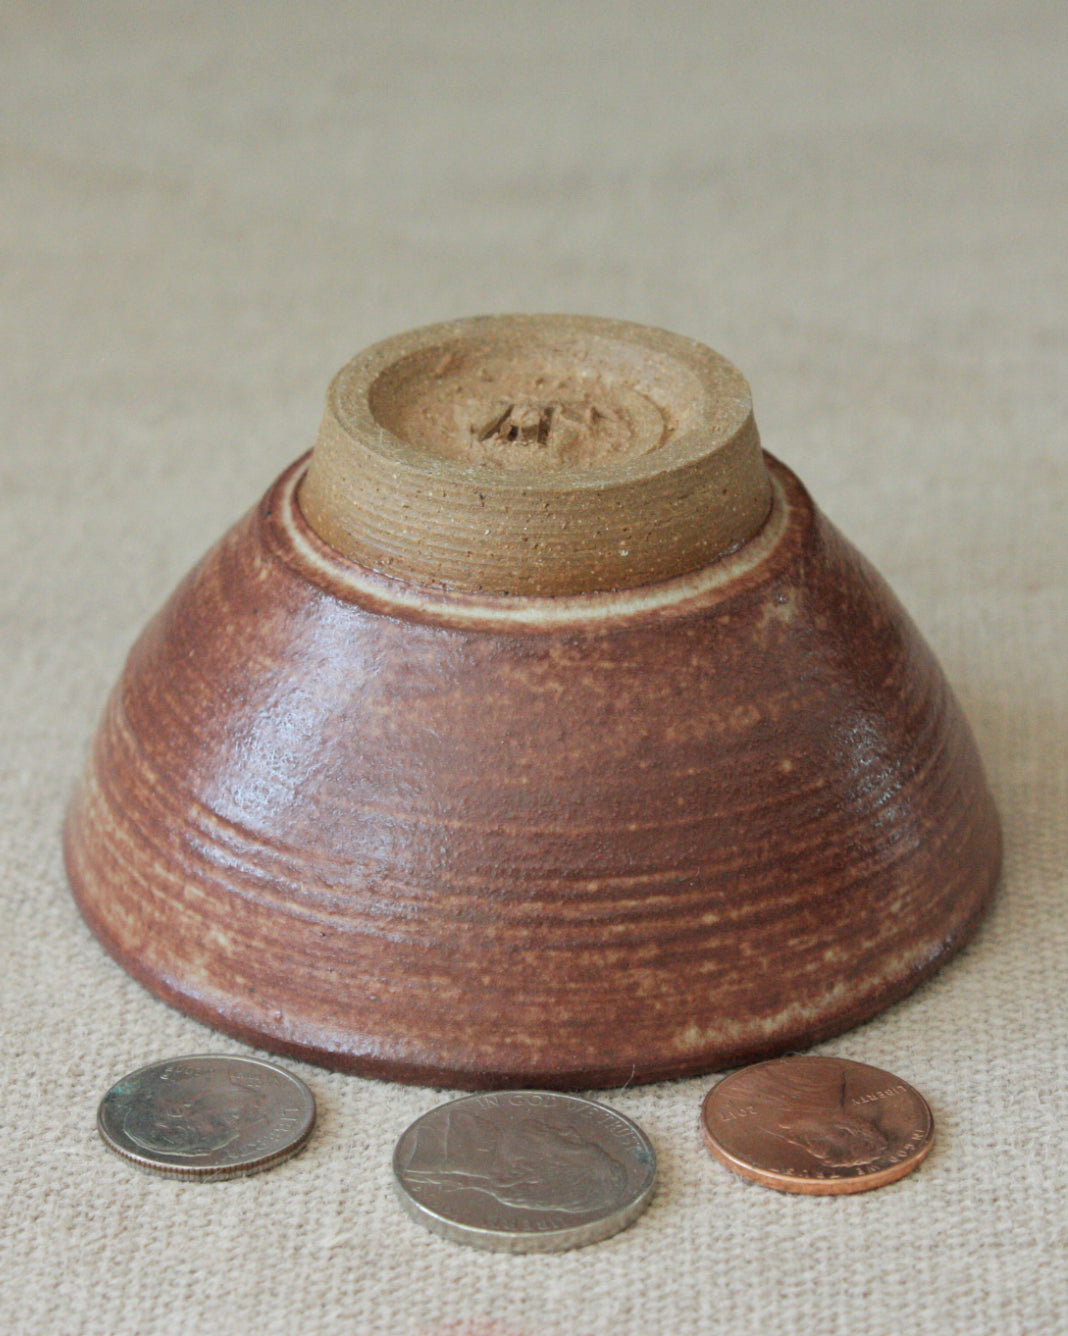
(207, 209)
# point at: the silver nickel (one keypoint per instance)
(524, 1171)
(207, 1117)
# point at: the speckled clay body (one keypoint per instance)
(568, 840)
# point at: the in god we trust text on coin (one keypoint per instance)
(207, 1116)
(524, 1171)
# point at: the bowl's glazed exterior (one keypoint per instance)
(480, 840)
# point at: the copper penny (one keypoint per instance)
(817, 1125)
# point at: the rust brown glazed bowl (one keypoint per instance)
(539, 731)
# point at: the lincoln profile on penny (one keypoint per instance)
(806, 1105)
(536, 729)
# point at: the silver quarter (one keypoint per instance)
(524, 1171)
(207, 1116)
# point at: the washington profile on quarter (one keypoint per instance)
(207, 1116)
(817, 1125)
(524, 1171)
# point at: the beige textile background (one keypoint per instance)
(205, 209)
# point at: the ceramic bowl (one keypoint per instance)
(433, 813)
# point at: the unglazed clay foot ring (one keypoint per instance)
(537, 455)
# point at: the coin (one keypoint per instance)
(524, 1171)
(817, 1125)
(207, 1116)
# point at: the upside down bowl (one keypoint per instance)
(536, 730)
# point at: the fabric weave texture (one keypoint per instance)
(206, 210)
